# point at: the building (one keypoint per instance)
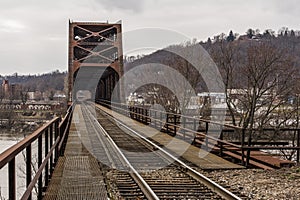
(5, 88)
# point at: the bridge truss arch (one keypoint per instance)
(95, 59)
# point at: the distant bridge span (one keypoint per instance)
(95, 59)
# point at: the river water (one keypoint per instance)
(7, 141)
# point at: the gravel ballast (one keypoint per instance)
(261, 184)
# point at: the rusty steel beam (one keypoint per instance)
(94, 44)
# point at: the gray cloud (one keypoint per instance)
(289, 7)
(131, 5)
(34, 33)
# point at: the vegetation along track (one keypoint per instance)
(160, 176)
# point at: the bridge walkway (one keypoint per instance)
(77, 174)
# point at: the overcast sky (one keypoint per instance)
(33, 33)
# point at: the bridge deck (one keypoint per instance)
(77, 174)
(199, 157)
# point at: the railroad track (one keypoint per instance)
(143, 171)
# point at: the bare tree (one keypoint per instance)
(172, 79)
(2, 94)
(268, 73)
(7, 114)
(263, 75)
(226, 54)
(24, 94)
(34, 168)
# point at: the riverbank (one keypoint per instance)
(19, 129)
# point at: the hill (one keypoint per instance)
(260, 72)
(52, 81)
(286, 44)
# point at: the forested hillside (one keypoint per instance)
(44, 82)
(237, 50)
(260, 71)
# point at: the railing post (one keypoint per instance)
(28, 166)
(143, 115)
(148, 116)
(298, 145)
(160, 118)
(242, 145)
(248, 149)
(167, 124)
(12, 179)
(131, 113)
(135, 113)
(51, 143)
(140, 114)
(194, 133)
(221, 143)
(56, 129)
(62, 127)
(183, 119)
(206, 135)
(46, 152)
(40, 158)
(155, 118)
(175, 120)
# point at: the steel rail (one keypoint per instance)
(196, 175)
(101, 141)
(146, 189)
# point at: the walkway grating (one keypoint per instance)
(77, 175)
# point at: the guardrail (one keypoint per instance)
(201, 131)
(50, 138)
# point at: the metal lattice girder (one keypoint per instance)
(94, 44)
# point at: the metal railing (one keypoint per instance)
(50, 139)
(201, 131)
